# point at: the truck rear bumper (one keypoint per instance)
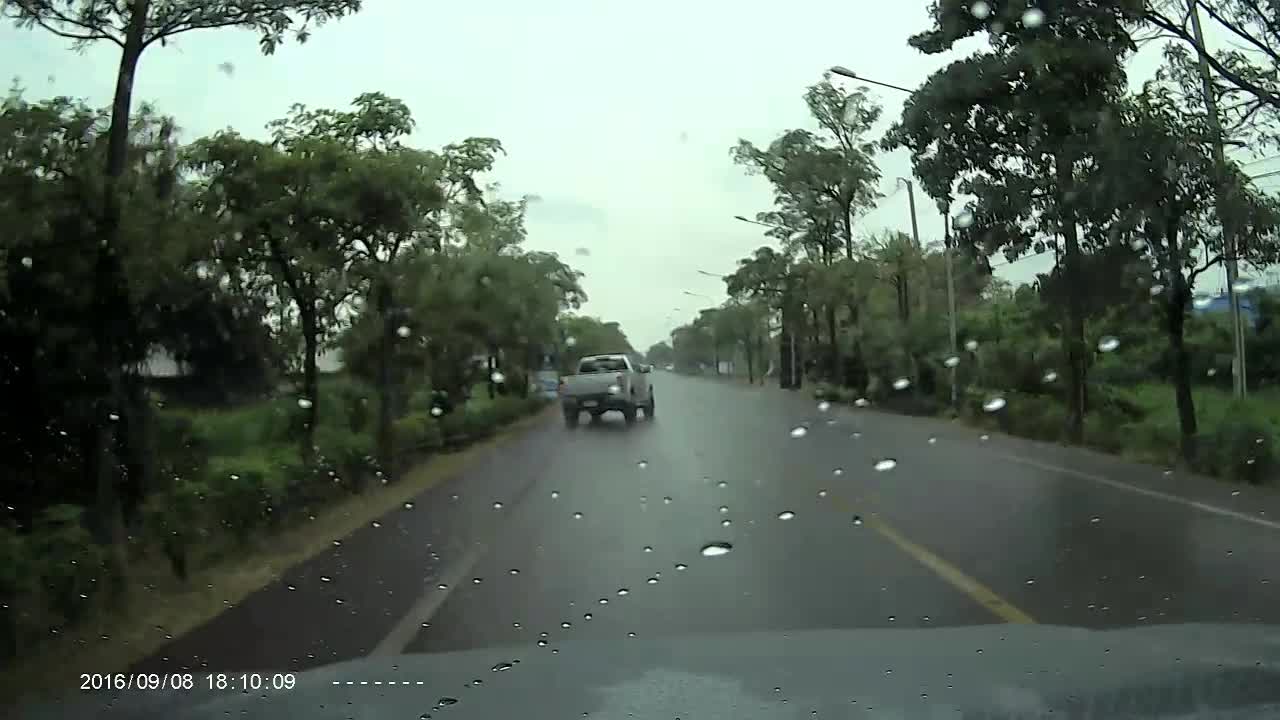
(595, 403)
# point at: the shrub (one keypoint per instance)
(246, 488)
(349, 453)
(176, 518)
(68, 562)
(16, 584)
(1153, 439)
(1036, 416)
(417, 431)
(346, 403)
(1241, 447)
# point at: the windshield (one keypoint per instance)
(602, 365)
(335, 330)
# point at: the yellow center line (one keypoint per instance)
(980, 593)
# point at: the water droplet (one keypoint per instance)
(1108, 343)
(631, 634)
(1095, 519)
(1032, 18)
(325, 579)
(1200, 302)
(726, 522)
(1031, 581)
(980, 10)
(497, 505)
(27, 262)
(513, 571)
(838, 472)
(376, 524)
(566, 624)
(571, 341)
(437, 411)
(857, 519)
(951, 361)
(822, 493)
(652, 581)
(681, 566)
(642, 464)
(447, 701)
(722, 484)
(1211, 372)
(1050, 376)
(902, 383)
(799, 431)
(885, 464)
(933, 441)
(716, 549)
(965, 218)
(443, 586)
(304, 403)
(1155, 290)
(861, 402)
(555, 494)
(855, 435)
(291, 588)
(666, 500)
(403, 331)
(984, 437)
(648, 548)
(497, 377)
(500, 667)
(113, 417)
(623, 591)
(994, 404)
(786, 515)
(476, 580)
(577, 516)
(408, 506)
(971, 345)
(724, 509)
(824, 406)
(339, 601)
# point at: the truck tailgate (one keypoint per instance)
(591, 384)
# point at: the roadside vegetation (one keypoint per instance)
(242, 262)
(1035, 144)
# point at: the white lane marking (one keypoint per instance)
(1213, 509)
(404, 631)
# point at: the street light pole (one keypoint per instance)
(911, 201)
(1229, 239)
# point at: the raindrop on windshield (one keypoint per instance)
(304, 403)
(1155, 290)
(566, 624)
(965, 218)
(855, 435)
(437, 411)
(951, 361)
(501, 667)
(716, 549)
(681, 566)
(724, 509)
(498, 378)
(933, 441)
(603, 601)
(885, 464)
(838, 472)
(1095, 519)
(447, 701)
(901, 383)
(1032, 18)
(722, 484)
(980, 9)
(652, 581)
(786, 515)
(477, 581)
(822, 493)
(726, 522)
(971, 345)
(555, 494)
(408, 506)
(623, 591)
(375, 524)
(513, 571)
(577, 516)
(850, 111)
(403, 331)
(824, 406)
(984, 437)
(497, 506)
(27, 262)
(857, 519)
(571, 341)
(666, 500)
(587, 616)
(994, 404)
(1108, 343)
(799, 432)
(862, 402)
(1050, 376)
(642, 464)
(1200, 302)
(648, 548)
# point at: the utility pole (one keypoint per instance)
(1239, 378)
(951, 303)
(911, 200)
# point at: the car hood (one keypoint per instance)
(993, 671)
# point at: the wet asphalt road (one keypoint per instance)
(960, 531)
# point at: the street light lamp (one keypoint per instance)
(946, 230)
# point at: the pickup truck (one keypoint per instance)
(604, 383)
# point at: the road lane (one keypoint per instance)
(1001, 521)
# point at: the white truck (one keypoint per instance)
(607, 382)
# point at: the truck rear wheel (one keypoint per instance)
(571, 418)
(629, 414)
(648, 409)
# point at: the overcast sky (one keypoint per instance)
(618, 116)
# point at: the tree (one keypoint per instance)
(769, 276)
(1013, 126)
(133, 27)
(660, 353)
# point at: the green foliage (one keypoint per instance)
(418, 431)
(176, 519)
(245, 489)
(1242, 446)
(68, 563)
(348, 452)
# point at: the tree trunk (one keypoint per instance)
(386, 346)
(1175, 315)
(833, 352)
(848, 233)
(114, 324)
(310, 380)
(1073, 327)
